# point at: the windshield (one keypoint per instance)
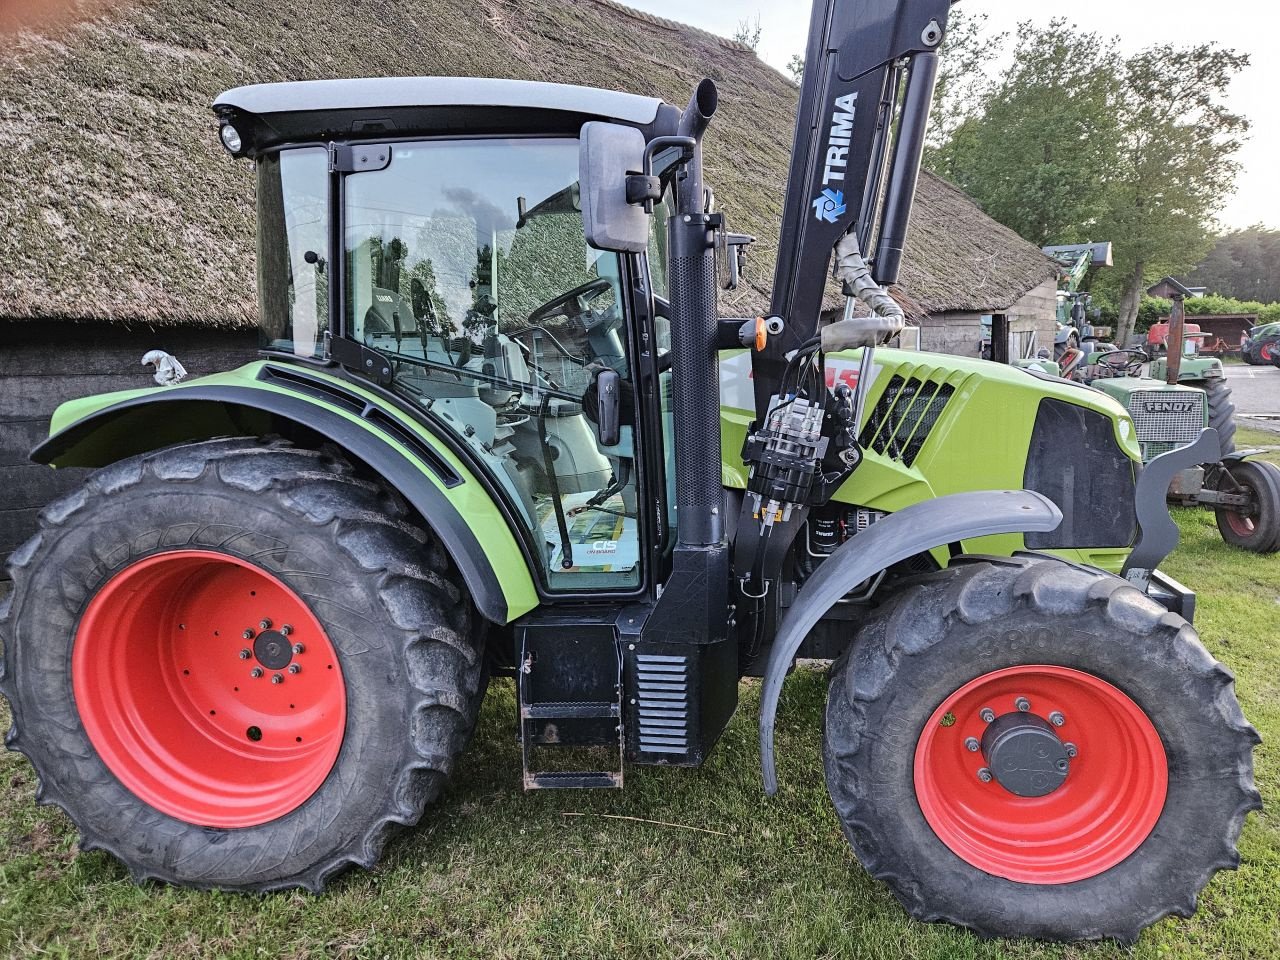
(468, 266)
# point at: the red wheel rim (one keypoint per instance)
(1240, 525)
(1103, 811)
(171, 702)
(1265, 352)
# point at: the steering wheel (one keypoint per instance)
(1131, 367)
(571, 303)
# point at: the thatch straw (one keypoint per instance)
(117, 204)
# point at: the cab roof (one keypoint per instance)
(270, 115)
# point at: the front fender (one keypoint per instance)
(264, 398)
(920, 527)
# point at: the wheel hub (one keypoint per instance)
(272, 650)
(1025, 755)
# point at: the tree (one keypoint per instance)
(795, 67)
(1244, 264)
(1036, 148)
(748, 33)
(963, 84)
(1173, 167)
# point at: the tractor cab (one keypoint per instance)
(428, 234)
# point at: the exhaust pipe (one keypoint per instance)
(695, 374)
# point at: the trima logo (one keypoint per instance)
(829, 205)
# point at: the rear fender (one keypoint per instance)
(448, 496)
(920, 527)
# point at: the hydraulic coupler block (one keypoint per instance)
(785, 456)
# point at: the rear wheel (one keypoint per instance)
(1027, 748)
(1060, 349)
(1267, 352)
(1222, 412)
(238, 666)
(1256, 529)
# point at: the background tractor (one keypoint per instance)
(1075, 314)
(1262, 345)
(498, 429)
(1172, 399)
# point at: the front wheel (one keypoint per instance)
(1257, 527)
(238, 665)
(1030, 749)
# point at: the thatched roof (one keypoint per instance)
(117, 204)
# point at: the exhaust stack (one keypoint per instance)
(695, 374)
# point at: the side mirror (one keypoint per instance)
(420, 301)
(608, 152)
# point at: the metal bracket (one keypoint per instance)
(1157, 533)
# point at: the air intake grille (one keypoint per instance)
(904, 416)
(1164, 420)
(662, 696)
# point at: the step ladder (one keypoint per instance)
(595, 720)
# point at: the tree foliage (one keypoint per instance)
(1174, 166)
(1244, 264)
(1038, 145)
(1076, 142)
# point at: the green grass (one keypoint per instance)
(496, 873)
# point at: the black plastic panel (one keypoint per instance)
(1075, 461)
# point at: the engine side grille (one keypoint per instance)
(904, 416)
(662, 703)
(1164, 420)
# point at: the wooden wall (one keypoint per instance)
(43, 364)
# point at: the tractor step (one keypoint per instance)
(569, 710)
(570, 688)
(573, 780)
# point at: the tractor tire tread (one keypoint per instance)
(977, 591)
(417, 586)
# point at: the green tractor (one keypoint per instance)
(1262, 345)
(498, 429)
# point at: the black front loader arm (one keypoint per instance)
(868, 62)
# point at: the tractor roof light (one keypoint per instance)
(230, 138)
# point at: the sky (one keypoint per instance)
(1245, 25)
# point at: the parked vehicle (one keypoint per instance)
(498, 428)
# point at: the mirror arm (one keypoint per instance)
(644, 187)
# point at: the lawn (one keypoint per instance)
(730, 873)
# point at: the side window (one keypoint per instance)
(293, 243)
(467, 265)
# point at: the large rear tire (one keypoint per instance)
(1259, 530)
(238, 665)
(1141, 803)
(1222, 411)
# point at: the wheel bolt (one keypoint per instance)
(286, 629)
(987, 714)
(277, 678)
(248, 634)
(265, 624)
(299, 648)
(1057, 719)
(1023, 704)
(256, 672)
(1070, 748)
(294, 668)
(1062, 765)
(244, 654)
(971, 744)
(984, 775)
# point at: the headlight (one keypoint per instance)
(230, 138)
